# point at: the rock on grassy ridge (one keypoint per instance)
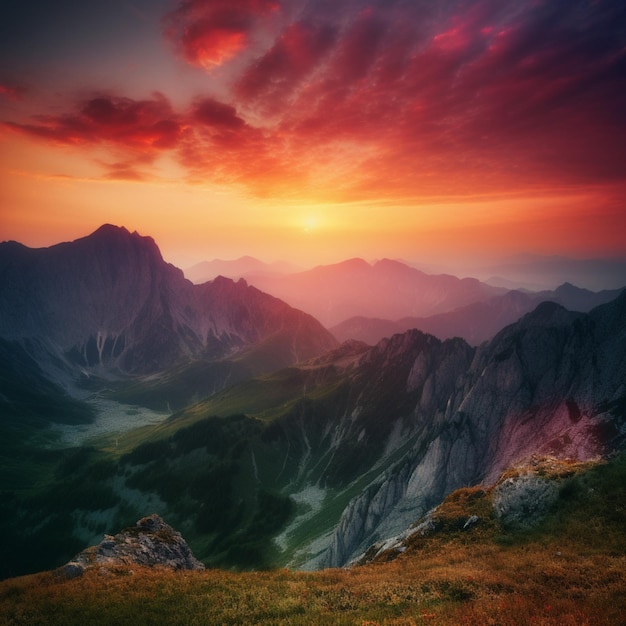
(518, 501)
(150, 543)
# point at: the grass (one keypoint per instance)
(463, 584)
(571, 570)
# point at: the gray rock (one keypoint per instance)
(150, 543)
(473, 519)
(72, 570)
(522, 501)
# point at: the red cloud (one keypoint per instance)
(144, 125)
(209, 32)
(296, 54)
(400, 100)
(211, 112)
(12, 90)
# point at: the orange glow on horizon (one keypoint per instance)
(323, 133)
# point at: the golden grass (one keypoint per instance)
(445, 582)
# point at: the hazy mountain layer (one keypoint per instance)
(475, 322)
(319, 461)
(387, 289)
(242, 267)
(305, 466)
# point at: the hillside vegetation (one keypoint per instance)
(568, 570)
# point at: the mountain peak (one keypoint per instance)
(110, 229)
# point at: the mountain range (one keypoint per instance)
(476, 322)
(282, 447)
(368, 302)
(243, 267)
(387, 289)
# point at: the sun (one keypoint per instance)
(311, 223)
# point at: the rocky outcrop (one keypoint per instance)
(150, 543)
(522, 501)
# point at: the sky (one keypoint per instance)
(317, 130)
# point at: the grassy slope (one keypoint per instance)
(569, 571)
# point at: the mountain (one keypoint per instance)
(304, 466)
(310, 465)
(235, 269)
(546, 272)
(550, 384)
(387, 289)
(108, 305)
(464, 563)
(476, 322)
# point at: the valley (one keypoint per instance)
(263, 440)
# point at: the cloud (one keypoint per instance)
(393, 98)
(295, 55)
(211, 112)
(12, 90)
(485, 94)
(136, 125)
(207, 33)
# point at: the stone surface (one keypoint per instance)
(523, 501)
(150, 543)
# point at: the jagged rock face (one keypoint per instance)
(520, 499)
(150, 543)
(109, 301)
(553, 383)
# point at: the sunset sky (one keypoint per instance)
(317, 130)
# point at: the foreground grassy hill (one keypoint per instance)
(569, 570)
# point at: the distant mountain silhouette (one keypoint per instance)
(387, 289)
(475, 322)
(537, 272)
(235, 269)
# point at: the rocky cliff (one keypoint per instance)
(553, 383)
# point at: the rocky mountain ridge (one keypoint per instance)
(552, 383)
(109, 304)
(519, 500)
(309, 465)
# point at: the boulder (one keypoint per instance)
(150, 543)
